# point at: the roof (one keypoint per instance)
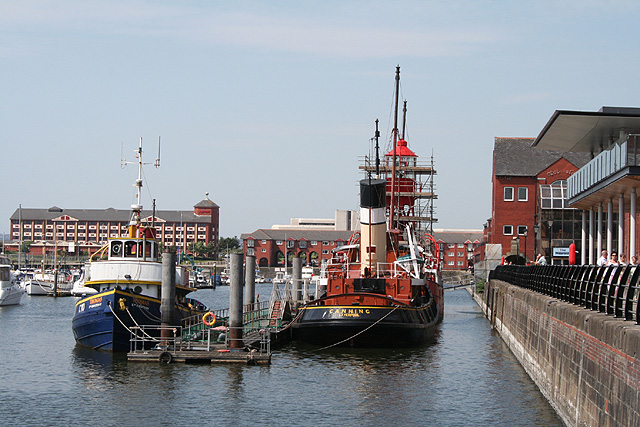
(271, 234)
(517, 157)
(458, 236)
(109, 214)
(402, 150)
(586, 131)
(205, 203)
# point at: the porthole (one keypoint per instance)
(137, 290)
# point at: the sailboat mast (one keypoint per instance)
(376, 136)
(404, 119)
(395, 140)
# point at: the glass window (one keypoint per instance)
(508, 194)
(522, 229)
(250, 243)
(507, 230)
(523, 194)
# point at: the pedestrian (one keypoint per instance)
(614, 259)
(541, 260)
(603, 260)
(634, 260)
(623, 259)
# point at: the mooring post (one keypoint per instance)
(250, 281)
(235, 302)
(168, 298)
(297, 280)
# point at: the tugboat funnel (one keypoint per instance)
(373, 225)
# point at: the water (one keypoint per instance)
(466, 378)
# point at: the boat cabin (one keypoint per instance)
(133, 248)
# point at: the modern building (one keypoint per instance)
(604, 191)
(86, 230)
(343, 220)
(529, 212)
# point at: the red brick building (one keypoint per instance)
(529, 214)
(76, 230)
(313, 246)
(457, 247)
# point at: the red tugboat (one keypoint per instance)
(384, 288)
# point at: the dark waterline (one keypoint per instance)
(467, 377)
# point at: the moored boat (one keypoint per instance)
(384, 288)
(127, 275)
(11, 292)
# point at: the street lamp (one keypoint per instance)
(550, 224)
(526, 232)
(536, 231)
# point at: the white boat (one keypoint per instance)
(38, 284)
(79, 289)
(10, 291)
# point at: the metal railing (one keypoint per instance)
(612, 290)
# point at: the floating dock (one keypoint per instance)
(216, 354)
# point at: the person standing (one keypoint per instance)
(614, 259)
(541, 260)
(603, 260)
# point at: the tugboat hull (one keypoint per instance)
(366, 326)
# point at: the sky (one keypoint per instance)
(270, 106)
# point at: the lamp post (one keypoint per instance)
(550, 224)
(526, 232)
(536, 231)
(517, 247)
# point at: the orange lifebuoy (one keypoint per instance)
(209, 319)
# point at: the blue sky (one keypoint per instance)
(268, 105)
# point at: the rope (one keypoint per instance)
(142, 330)
(362, 331)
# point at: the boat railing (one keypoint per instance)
(351, 270)
(175, 338)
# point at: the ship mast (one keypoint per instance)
(395, 140)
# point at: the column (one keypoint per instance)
(632, 224)
(610, 226)
(599, 251)
(621, 226)
(591, 258)
(583, 246)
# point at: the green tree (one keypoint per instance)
(26, 246)
(229, 244)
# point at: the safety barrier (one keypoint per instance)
(612, 290)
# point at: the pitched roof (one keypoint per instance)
(516, 157)
(205, 203)
(109, 214)
(458, 236)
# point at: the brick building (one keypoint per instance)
(529, 213)
(86, 230)
(313, 246)
(457, 247)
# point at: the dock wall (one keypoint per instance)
(587, 364)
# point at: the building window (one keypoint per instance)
(460, 254)
(507, 230)
(251, 243)
(521, 230)
(554, 195)
(450, 254)
(278, 242)
(508, 194)
(523, 194)
(291, 244)
(460, 263)
(264, 242)
(302, 244)
(461, 245)
(325, 251)
(450, 263)
(451, 245)
(325, 242)
(251, 251)
(314, 242)
(264, 251)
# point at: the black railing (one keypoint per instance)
(611, 289)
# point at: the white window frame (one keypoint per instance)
(525, 228)
(504, 193)
(526, 194)
(504, 230)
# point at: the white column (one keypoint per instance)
(583, 245)
(621, 225)
(599, 251)
(591, 233)
(610, 226)
(632, 224)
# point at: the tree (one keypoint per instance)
(26, 246)
(228, 244)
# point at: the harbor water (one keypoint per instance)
(467, 377)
